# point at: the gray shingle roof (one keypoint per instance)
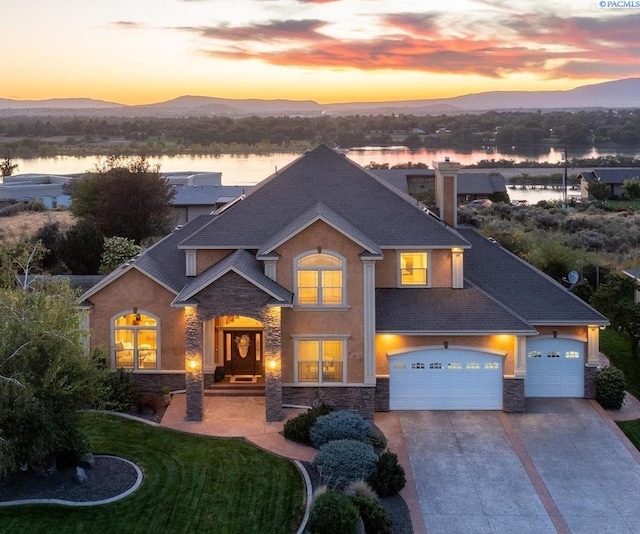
(522, 288)
(633, 273)
(444, 310)
(245, 264)
(613, 175)
(205, 195)
(322, 175)
(469, 183)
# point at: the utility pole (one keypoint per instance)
(564, 179)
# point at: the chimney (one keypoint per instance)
(447, 190)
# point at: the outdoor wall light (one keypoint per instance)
(193, 363)
(446, 344)
(555, 334)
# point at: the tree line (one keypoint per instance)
(525, 131)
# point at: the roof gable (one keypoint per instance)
(245, 265)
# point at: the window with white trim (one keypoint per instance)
(413, 269)
(321, 360)
(135, 341)
(320, 280)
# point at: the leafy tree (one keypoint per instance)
(599, 190)
(555, 258)
(7, 167)
(126, 198)
(615, 299)
(45, 376)
(116, 251)
(631, 188)
(81, 247)
(50, 237)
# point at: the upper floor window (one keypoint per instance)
(413, 269)
(135, 338)
(320, 280)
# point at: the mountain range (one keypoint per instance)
(623, 93)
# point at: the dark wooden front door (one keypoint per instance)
(240, 357)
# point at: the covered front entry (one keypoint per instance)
(242, 352)
(445, 379)
(555, 368)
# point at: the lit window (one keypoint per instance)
(535, 354)
(135, 337)
(473, 365)
(320, 360)
(491, 365)
(319, 280)
(454, 365)
(572, 354)
(413, 269)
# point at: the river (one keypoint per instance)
(248, 169)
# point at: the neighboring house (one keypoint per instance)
(190, 201)
(613, 177)
(197, 193)
(45, 187)
(331, 285)
(635, 274)
(470, 185)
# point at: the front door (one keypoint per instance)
(240, 348)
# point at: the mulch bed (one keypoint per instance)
(110, 477)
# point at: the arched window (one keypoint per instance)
(320, 279)
(136, 341)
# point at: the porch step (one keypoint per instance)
(233, 390)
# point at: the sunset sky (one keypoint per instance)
(144, 51)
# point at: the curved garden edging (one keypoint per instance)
(62, 502)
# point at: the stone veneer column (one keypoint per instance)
(194, 379)
(513, 394)
(273, 364)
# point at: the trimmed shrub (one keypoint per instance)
(333, 512)
(610, 386)
(343, 461)
(388, 478)
(374, 516)
(360, 488)
(121, 390)
(297, 428)
(377, 439)
(340, 424)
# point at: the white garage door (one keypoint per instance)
(555, 368)
(445, 379)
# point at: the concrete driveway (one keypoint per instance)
(557, 468)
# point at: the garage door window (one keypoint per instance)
(417, 365)
(553, 354)
(492, 365)
(435, 365)
(572, 354)
(454, 365)
(473, 365)
(320, 360)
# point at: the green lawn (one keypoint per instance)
(192, 484)
(618, 348)
(632, 430)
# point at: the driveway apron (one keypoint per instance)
(556, 468)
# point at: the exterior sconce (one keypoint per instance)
(319, 250)
(446, 344)
(555, 334)
(193, 364)
(137, 315)
(273, 364)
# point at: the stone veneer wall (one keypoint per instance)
(233, 295)
(147, 383)
(590, 374)
(382, 394)
(358, 399)
(513, 394)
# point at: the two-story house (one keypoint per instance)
(327, 283)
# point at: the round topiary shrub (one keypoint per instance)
(340, 424)
(333, 512)
(343, 461)
(610, 387)
(374, 516)
(388, 478)
(297, 428)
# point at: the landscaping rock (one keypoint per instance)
(81, 476)
(87, 461)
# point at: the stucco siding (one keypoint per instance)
(136, 289)
(205, 258)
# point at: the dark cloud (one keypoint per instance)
(302, 30)
(128, 24)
